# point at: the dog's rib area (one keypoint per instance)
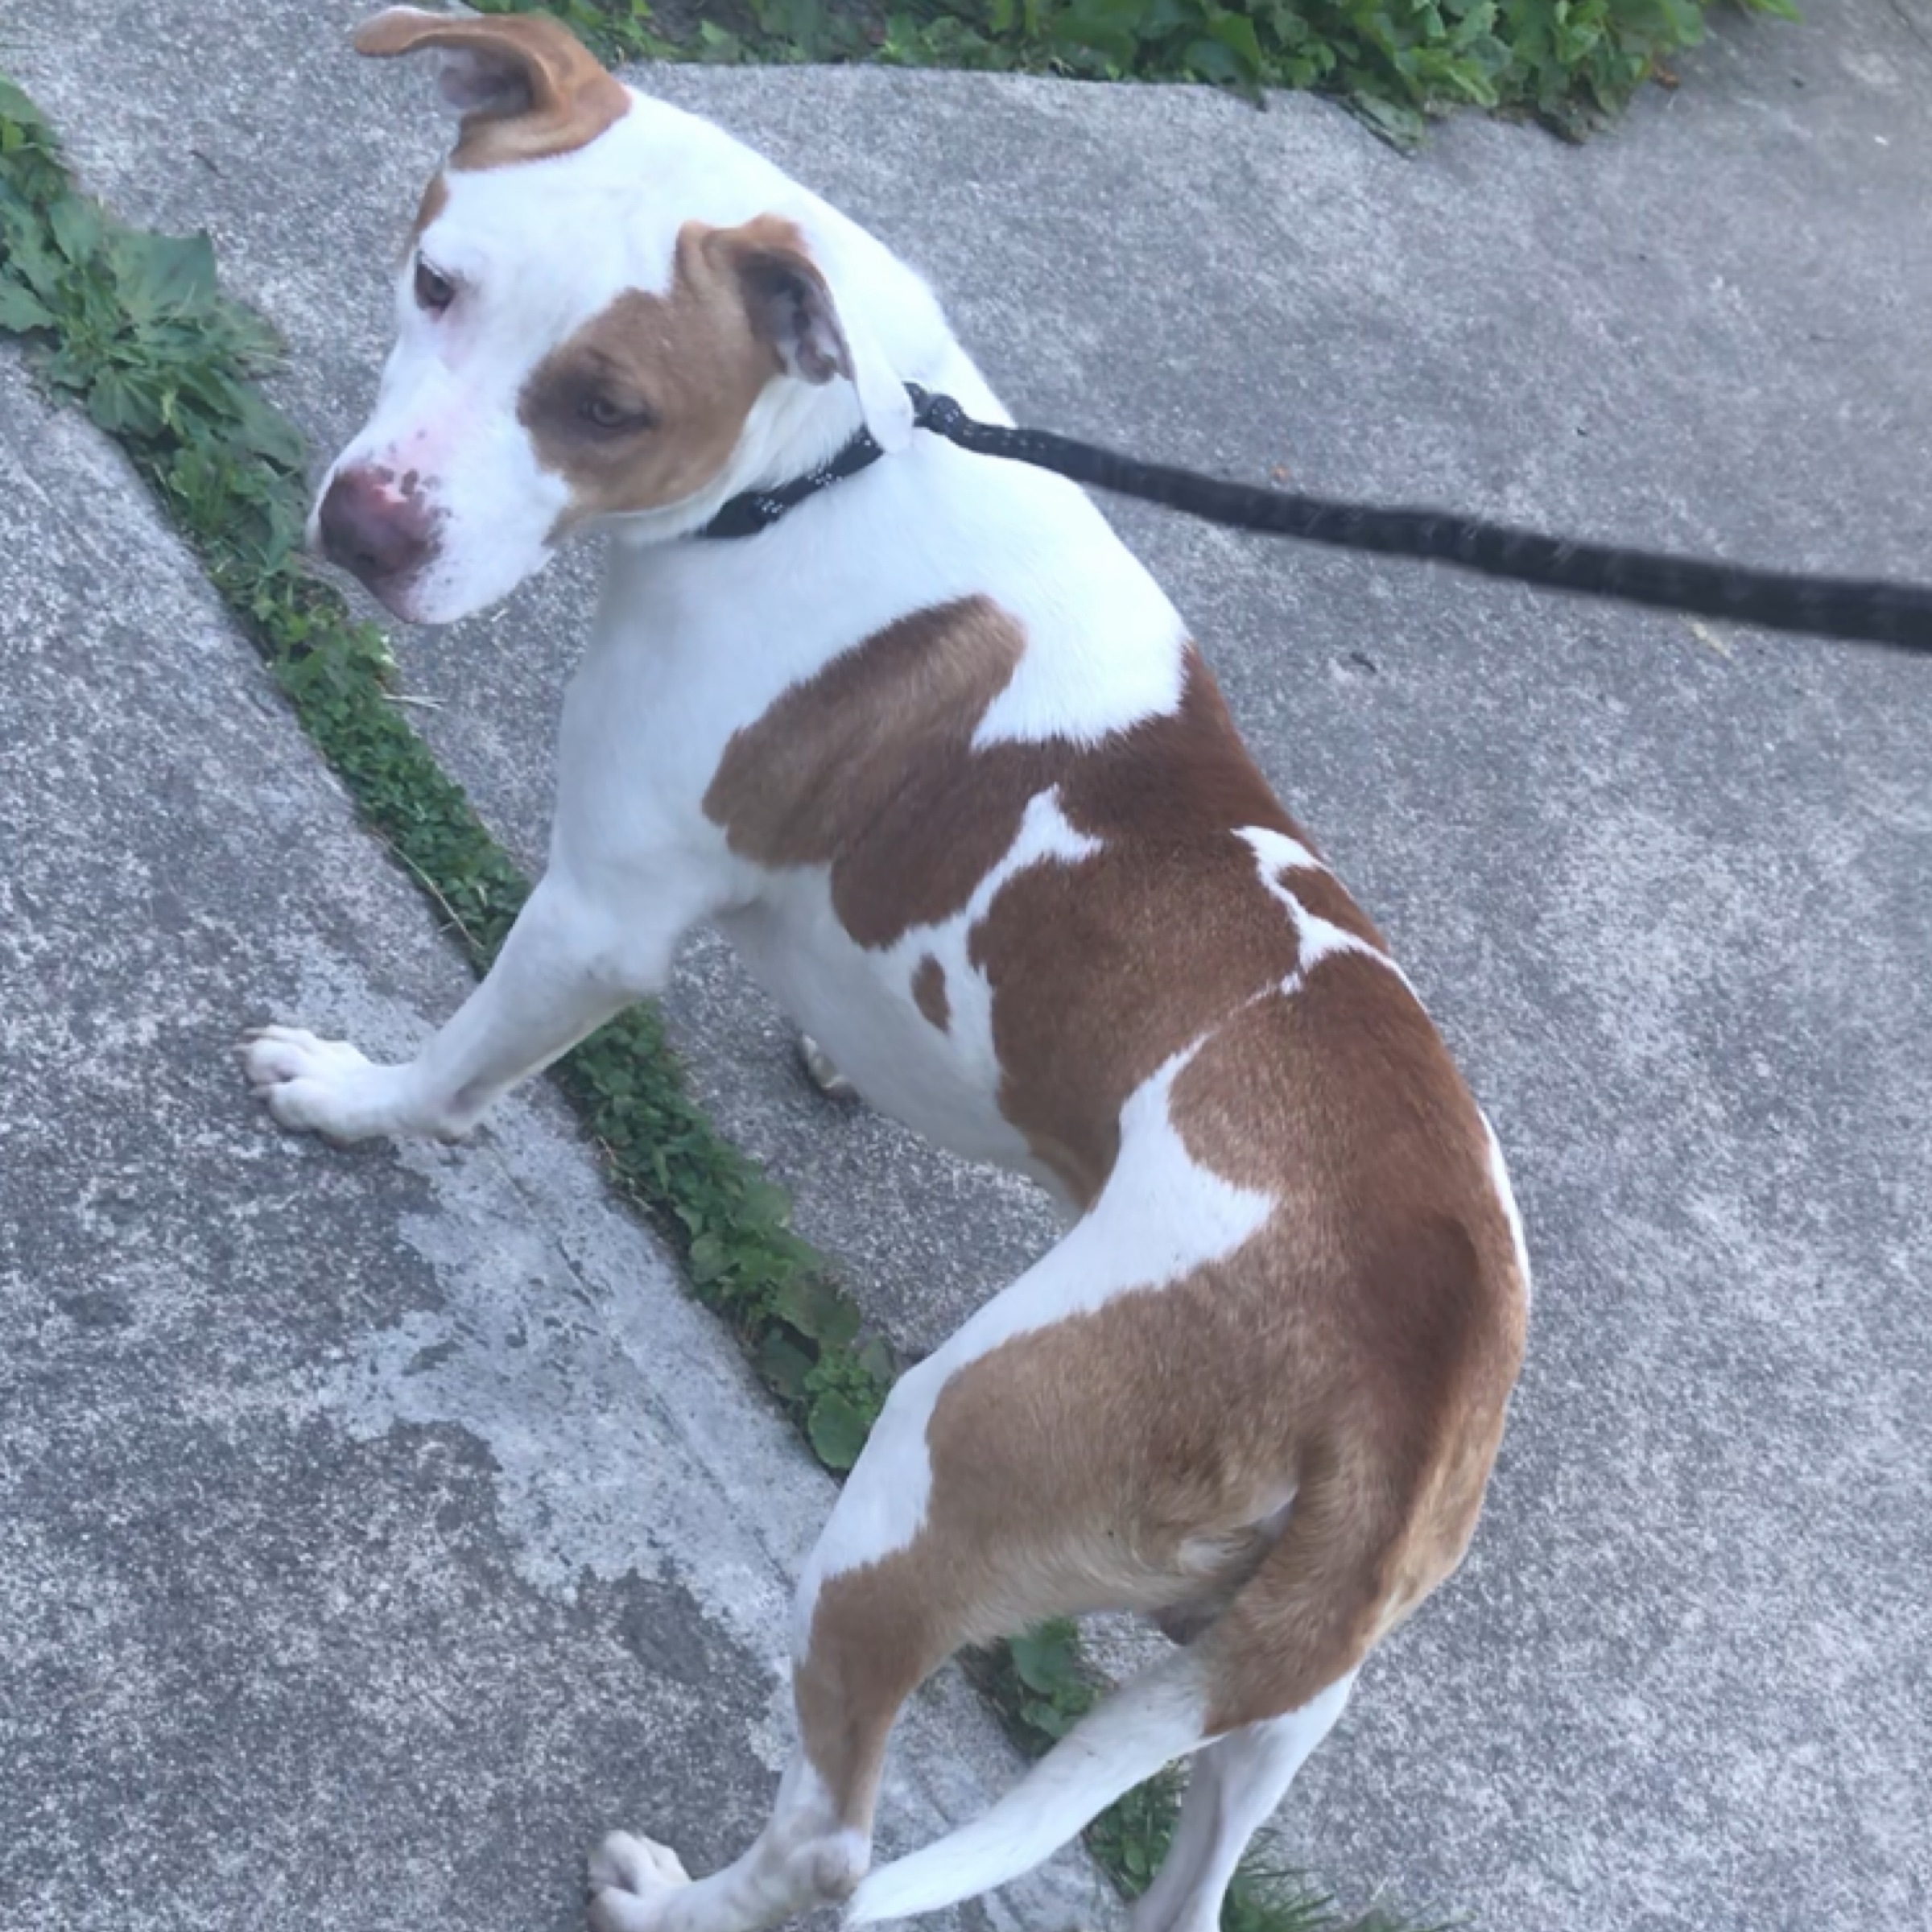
(1152, 926)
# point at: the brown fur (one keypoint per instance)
(571, 98)
(929, 992)
(1357, 1351)
(435, 198)
(695, 358)
(868, 768)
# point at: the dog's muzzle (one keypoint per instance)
(375, 528)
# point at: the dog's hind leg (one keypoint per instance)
(807, 1855)
(1146, 1724)
(863, 1640)
(1260, 1687)
(1235, 1783)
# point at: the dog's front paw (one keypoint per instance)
(630, 1880)
(326, 1086)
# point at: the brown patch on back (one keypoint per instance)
(1359, 1350)
(549, 96)
(1100, 969)
(687, 365)
(929, 992)
(868, 768)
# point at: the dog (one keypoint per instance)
(936, 752)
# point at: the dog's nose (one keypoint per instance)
(367, 527)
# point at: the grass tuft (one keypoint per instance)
(1568, 64)
(133, 328)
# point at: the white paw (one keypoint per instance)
(823, 1071)
(629, 1877)
(325, 1087)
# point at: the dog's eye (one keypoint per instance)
(601, 412)
(434, 291)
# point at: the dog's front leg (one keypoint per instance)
(568, 964)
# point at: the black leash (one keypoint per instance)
(1859, 610)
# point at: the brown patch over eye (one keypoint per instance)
(434, 291)
(686, 366)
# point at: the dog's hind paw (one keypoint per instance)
(823, 1071)
(629, 1877)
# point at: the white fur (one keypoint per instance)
(1150, 1721)
(803, 1856)
(1275, 853)
(1233, 1786)
(1499, 1179)
(447, 408)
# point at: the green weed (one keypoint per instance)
(1567, 63)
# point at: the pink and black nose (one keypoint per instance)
(369, 526)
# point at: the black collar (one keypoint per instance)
(756, 509)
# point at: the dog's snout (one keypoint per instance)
(369, 527)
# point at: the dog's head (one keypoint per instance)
(590, 325)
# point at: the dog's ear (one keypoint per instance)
(525, 85)
(791, 307)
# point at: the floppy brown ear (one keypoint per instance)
(786, 298)
(791, 307)
(526, 85)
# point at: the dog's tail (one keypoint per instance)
(1150, 1720)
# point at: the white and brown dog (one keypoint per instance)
(937, 753)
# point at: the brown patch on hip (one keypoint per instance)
(1400, 1329)
(1358, 1351)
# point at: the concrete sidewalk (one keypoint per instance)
(1669, 893)
(375, 1529)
